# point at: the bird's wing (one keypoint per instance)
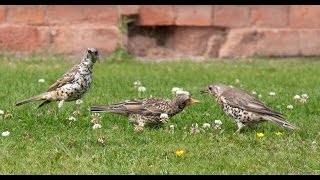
(240, 99)
(66, 78)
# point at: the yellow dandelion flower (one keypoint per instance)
(260, 135)
(279, 133)
(180, 153)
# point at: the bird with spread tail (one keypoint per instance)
(72, 85)
(149, 111)
(243, 107)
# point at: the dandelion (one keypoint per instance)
(289, 106)
(296, 97)
(182, 92)
(180, 153)
(304, 96)
(194, 128)
(260, 135)
(141, 89)
(206, 125)
(137, 83)
(254, 93)
(175, 89)
(79, 101)
(237, 81)
(96, 126)
(41, 81)
(101, 139)
(272, 93)
(279, 133)
(5, 134)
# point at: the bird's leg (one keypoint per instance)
(240, 126)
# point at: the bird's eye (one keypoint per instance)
(210, 88)
(89, 51)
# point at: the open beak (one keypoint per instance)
(192, 100)
(206, 90)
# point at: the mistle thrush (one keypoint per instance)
(72, 85)
(148, 111)
(243, 107)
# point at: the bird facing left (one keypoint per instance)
(72, 85)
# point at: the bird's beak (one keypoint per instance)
(206, 90)
(192, 100)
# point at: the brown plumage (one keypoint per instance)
(243, 107)
(72, 85)
(148, 111)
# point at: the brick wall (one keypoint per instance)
(192, 31)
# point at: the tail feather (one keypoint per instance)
(113, 109)
(280, 122)
(32, 99)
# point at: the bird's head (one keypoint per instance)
(214, 89)
(92, 54)
(183, 100)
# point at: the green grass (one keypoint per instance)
(44, 143)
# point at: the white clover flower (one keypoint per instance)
(182, 92)
(237, 81)
(254, 93)
(171, 126)
(79, 101)
(137, 83)
(175, 89)
(41, 81)
(164, 116)
(71, 118)
(5, 134)
(96, 126)
(296, 97)
(141, 89)
(272, 93)
(206, 125)
(231, 86)
(217, 122)
(260, 96)
(1, 112)
(304, 96)
(314, 142)
(289, 106)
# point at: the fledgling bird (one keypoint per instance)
(243, 107)
(72, 85)
(148, 111)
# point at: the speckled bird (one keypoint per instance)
(72, 85)
(243, 107)
(148, 111)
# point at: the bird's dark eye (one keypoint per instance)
(89, 51)
(210, 88)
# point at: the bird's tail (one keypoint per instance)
(32, 99)
(280, 122)
(111, 108)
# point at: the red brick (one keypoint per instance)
(129, 9)
(261, 42)
(305, 16)
(156, 15)
(73, 39)
(270, 15)
(310, 42)
(187, 15)
(2, 13)
(106, 14)
(26, 14)
(231, 16)
(23, 38)
(66, 14)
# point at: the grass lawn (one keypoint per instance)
(44, 141)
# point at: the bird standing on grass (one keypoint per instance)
(243, 107)
(148, 111)
(72, 85)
